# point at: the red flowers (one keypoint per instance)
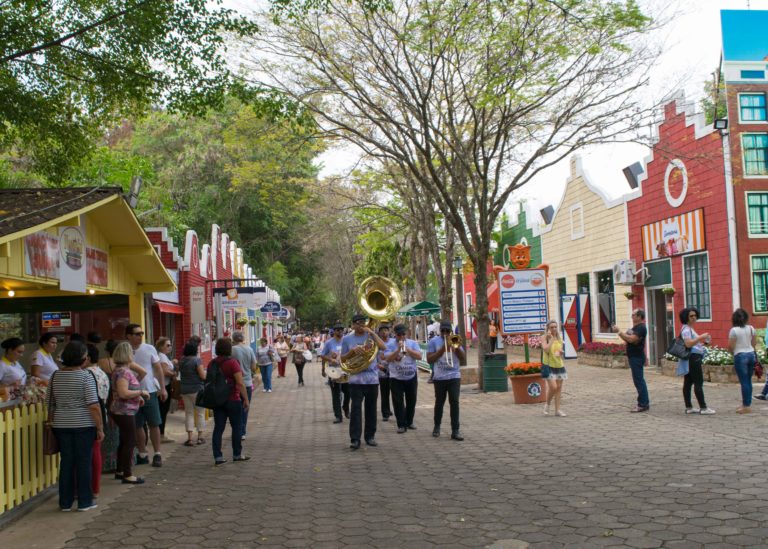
(597, 348)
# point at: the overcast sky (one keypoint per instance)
(691, 54)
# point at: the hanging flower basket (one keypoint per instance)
(252, 322)
(668, 291)
(629, 295)
(242, 321)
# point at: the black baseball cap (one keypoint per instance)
(384, 327)
(446, 326)
(338, 326)
(358, 317)
(401, 329)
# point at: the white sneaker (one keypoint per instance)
(560, 413)
(263, 390)
(692, 411)
(546, 409)
(269, 390)
(707, 412)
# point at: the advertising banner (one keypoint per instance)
(197, 304)
(72, 259)
(41, 255)
(57, 320)
(523, 299)
(676, 235)
(98, 267)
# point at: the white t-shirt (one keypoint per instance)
(164, 358)
(12, 372)
(145, 356)
(46, 363)
(743, 335)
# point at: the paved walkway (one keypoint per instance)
(599, 477)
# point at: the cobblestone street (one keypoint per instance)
(599, 477)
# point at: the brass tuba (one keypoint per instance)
(379, 299)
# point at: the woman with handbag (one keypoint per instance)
(299, 359)
(741, 342)
(695, 376)
(282, 349)
(75, 415)
(192, 377)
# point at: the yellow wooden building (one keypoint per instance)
(586, 238)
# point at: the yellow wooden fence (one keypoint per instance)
(24, 470)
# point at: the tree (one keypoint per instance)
(473, 98)
(70, 68)
(713, 103)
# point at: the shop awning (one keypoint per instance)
(170, 308)
(419, 308)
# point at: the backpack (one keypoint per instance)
(216, 390)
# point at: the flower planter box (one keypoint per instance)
(714, 373)
(528, 389)
(603, 361)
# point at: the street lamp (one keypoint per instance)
(457, 264)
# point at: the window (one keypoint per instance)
(606, 301)
(561, 287)
(760, 283)
(582, 283)
(757, 213)
(755, 147)
(752, 74)
(696, 273)
(752, 107)
(577, 221)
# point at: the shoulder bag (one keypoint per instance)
(50, 442)
(678, 349)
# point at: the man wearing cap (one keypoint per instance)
(404, 382)
(446, 378)
(330, 354)
(363, 386)
(383, 366)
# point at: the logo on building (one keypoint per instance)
(508, 281)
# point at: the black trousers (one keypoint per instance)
(337, 390)
(404, 399)
(165, 407)
(450, 388)
(694, 378)
(386, 410)
(358, 394)
(300, 371)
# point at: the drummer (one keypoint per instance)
(331, 354)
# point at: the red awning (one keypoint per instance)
(171, 308)
(493, 296)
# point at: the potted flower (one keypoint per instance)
(242, 321)
(252, 322)
(527, 385)
(668, 291)
(629, 295)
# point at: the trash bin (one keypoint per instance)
(494, 377)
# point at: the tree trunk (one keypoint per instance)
(481, 310)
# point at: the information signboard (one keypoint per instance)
(57, 320)
(523, 300)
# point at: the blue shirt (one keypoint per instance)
(688, 333)
(405, 369)
(441, 369)
(384, 374)
(368, 376)
(332, 346)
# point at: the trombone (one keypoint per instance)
(454, 342)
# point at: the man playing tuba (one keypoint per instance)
(363, 386)
(444, 355)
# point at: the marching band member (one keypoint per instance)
(386, 410)
(446, 377)
(362, 386)
(402, 356)
(331, 354)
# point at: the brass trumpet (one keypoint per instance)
(451, 344)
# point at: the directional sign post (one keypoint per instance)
(523, 296)
(283, 314)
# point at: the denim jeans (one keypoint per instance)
(744, 364)
(636, 365)
(248, 390)
(76, 447)
(266, 376)
(232, 411)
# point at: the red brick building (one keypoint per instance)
(678, 231)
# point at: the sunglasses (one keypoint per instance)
(137, 333)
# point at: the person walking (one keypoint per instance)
(192, 375)
(695, 376)
(245, 356)
(742, 339)
(404, 382)
(265, 356)
(552, 351)
(331, 354)
(75, 415)
(634, 337)
(363, 387)
(384, 383)
(127, 398)
(164, 347)
(299, 359)
(232, 409)
(283, 349)
(446, 378)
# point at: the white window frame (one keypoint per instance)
(595, 306)
(743, 159)
(752, 286)
(738, 102)
(709, 278)
(576, 234)
(746, 210)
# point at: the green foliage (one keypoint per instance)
(714, 92)
(70, 67)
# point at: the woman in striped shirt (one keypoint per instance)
(74, 412)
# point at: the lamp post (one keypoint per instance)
(457, 263)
